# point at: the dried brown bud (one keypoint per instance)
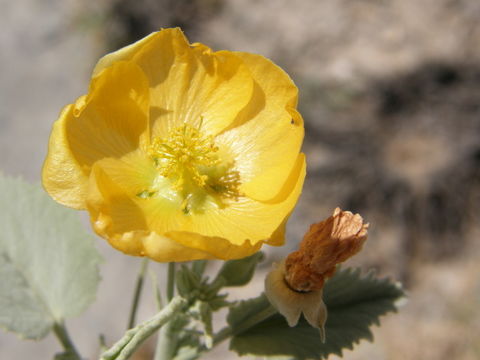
(295, 285)
(326, 244)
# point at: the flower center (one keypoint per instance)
(190, 162)
(184, 156)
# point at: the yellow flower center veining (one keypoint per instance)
(190, 161)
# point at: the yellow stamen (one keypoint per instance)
(226, 184)
(183, 155)
(191, 162)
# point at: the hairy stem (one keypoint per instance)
(135, 337)
(166, 342)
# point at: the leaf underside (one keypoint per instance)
(48, 264)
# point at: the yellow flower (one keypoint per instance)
(180, 153)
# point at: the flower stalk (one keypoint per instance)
(166, 341)
(134, 338)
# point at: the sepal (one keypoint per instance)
(239, 272)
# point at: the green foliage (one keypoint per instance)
(48, 265)
(354, 303)
(246, 312)
(187, 282)
(239, 272)
(358, 302)
(204, 298)
(195, 288)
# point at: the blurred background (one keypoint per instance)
(390, 93)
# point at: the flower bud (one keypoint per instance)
(295, 285)
(325, 245)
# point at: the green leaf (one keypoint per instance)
(48, 265)
(31, 317)
(358, 302)
(244, 314)
(239, 272)
(354, 303)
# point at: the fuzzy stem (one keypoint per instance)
(166, 342)
(135, 337)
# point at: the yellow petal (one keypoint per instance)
(118, 216)
(163, 249)
(237, 221)
(252, 219)
(190, 83)
(62, 176)
(217, 247)
(123, 54)
(195, 85)
(278, 236)
(236, 230)
(156, 247)
(112, 199)
(107, 122)
(266, 137)
(114, 115)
